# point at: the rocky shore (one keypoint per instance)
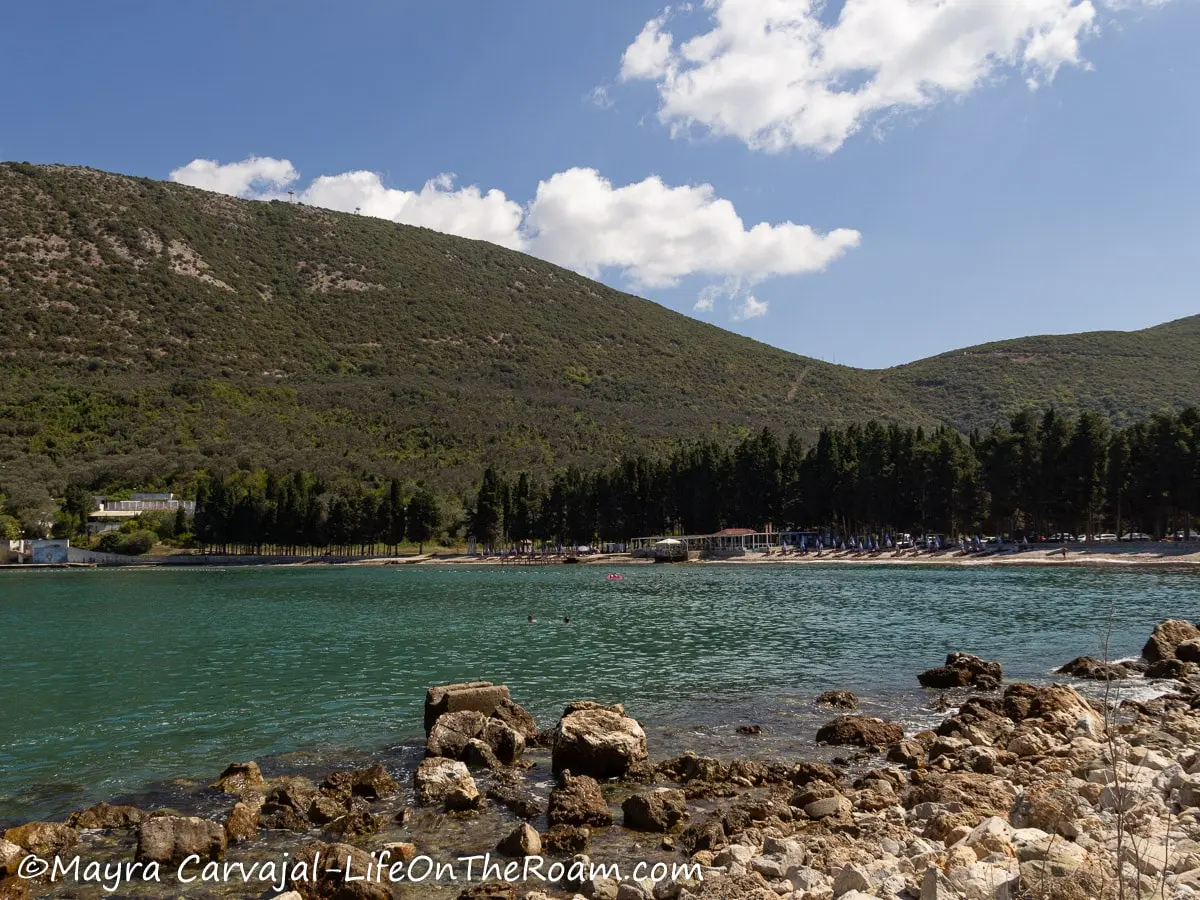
(1021, 791)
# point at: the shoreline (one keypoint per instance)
(1151, 556)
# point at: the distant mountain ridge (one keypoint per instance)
(150, 330)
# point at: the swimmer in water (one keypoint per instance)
(566, 620)
(532, 620)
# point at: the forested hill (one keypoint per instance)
(1123, 375)
(150, 327)
(150, 330)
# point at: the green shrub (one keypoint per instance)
(129, 544)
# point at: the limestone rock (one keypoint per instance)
(479, 696)
(838, 700)
(1166, 638)
(453, 733)
(596, 740)
(1087, 667)
(437, 778)
(521, 841)
(328, 880)
(578, 800)
(43, 839)
(104, 816)
(860, 731)
(565, 839)
(963, 670)
(171, 839)
(657, 810)
(239, 777)
(242, 823)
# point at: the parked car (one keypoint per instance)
(1136, 536)
(1060, 536)
(1106, 538)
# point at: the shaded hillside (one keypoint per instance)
(151, 329)
(1123, 375)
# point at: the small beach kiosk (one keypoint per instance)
(670, 550)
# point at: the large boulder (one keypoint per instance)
(963, 670)
(578, 800)
(441, 780)
(479, 696)
(597, 740)
(1058, 705)
(1167, 637)
(660, 809)
(43, 838)
(453, 733)
(860, 731)
(172, 839)
(104, 816)
(1087, 667)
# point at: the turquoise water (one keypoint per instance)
(110, 680)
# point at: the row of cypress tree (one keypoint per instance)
(1035, 475)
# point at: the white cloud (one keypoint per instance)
(241, 179)
(467, 212)
(656, 234)
(775, 75)
(649, 232)
(600, 96)
(737, 291)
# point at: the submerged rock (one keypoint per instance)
(1087, 667)
(565, 840)
(963, 670)
(318, 873)
(374, 783)
(860, 731)
(103, 816)
(597, 740)
(838, 700)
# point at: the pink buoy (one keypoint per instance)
(614, 577)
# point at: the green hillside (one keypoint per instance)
(1122, 375)
(151, 330)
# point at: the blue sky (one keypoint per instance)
(971, 206)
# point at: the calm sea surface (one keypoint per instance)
(111, 680)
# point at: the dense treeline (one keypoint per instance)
(263, 513)
(1037, 475)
